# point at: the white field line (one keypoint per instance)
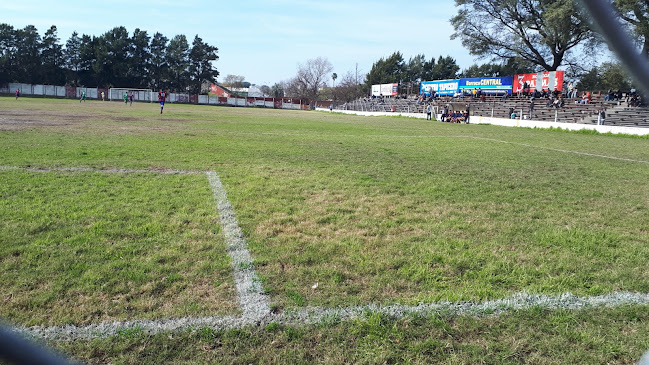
(315, 315)
(254, 303)
(468, 137)
(106, 171)
(561, 150)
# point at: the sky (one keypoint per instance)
(265, 41)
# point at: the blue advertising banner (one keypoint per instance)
(440, 87)
(490, 85)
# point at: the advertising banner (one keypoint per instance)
(389, 89)
(217, 90)
(376, 90)
(440, 87)
(549, 80)
(385, 89)
(489, 85)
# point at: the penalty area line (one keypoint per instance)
(254, 303)
(315, 315)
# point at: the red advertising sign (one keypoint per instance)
(216, 89)
(548, 80)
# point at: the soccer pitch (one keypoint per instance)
(113, 213)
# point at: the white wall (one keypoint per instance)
(568, 126)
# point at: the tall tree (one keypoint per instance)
(72, 52)
(139, 59)
(87, 59)
(277, 91)
(543, 32)
(112, 52)
(52, 58)
(177, 57)
(7, 52)
(233, 81)
(414, 72)
(636, 14)
(158, 68)
(201, 69)
(28, 55)
(607, 76)
(311, 77)
(445, 68)
(389, 70)
(348, 88)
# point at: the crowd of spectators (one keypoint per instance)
(455, 116)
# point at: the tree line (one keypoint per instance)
(113, 59)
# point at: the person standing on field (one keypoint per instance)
(162, 96)
(102, 96)
(83, 96)
(17, 94)
(429, 112)
(531, 107)
(125, 97)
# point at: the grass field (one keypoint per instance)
(337, 211)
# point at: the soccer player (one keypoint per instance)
(17, 94)
(83, 96)
(162, 95)
(130, 98)
(102, 96)
(125, 98)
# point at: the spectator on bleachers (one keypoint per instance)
(636, 101)
(631, 94)
(570, 89)
(555, 93)
(601, 116)
(575, 92)
(531, 107)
